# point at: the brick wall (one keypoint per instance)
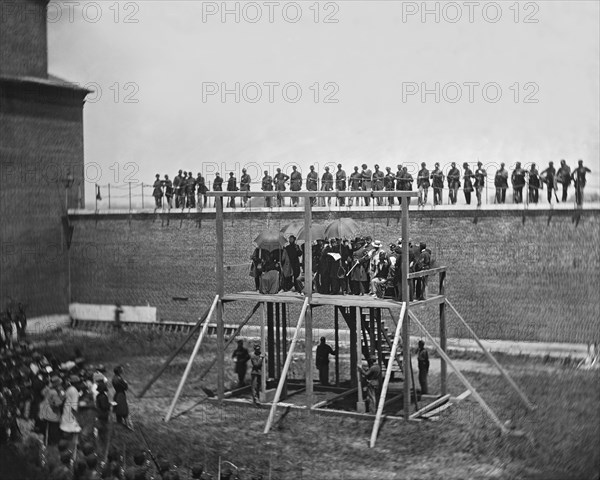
(511, 280)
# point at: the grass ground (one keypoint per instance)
(562, 441)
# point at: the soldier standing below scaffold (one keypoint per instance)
(563, 176)
(468, 182)
(423, 363)
(367, 182)
(231, 187)
(518, 182)
(267, 186)
(326, 186)
(190, 191)
(241, 356)
(548, 176)
(168, 184)
(312, 179)
(245, 181)
(480, 177)
(378, 177)
(257, 363)
(372, 376)
(355, 182)
(437, 177)
(578, 177)
(534, 184)
(218, 186)
(157, 193)
(423, 184)
(340, 183)
(295, 184)
(280, 179)
(202, 189)
(453, 183)
(322, 361)
(389, 182)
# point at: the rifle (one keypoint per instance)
(148, 448)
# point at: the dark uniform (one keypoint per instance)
(326, 186)
(267, 186)
(231, 187)
(534, 184)
(245, 181)
(548, 176)
(355, 183)
(389, 182)
(120, 386)
(453, 183)
(372, 376)
(177, 185)
(190, 191)
(241, 357)
(256, 373)
(501, 184)
(468, 182)
(518, 182)
(280, 179)
(295, 184)
(480, 176)
(312, 179)
(578, 178)
(378, 177)
(218, 187)
(437, 177)
(367, 182)
(157, 192)
(423, 184)
(399, 182)
(340, 183)
(423, 363)
(322, 361)
(168, 184)
(202, 189)
(563, 176)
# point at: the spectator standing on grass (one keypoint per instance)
(257, 363)
(120, 398)
(423, 363)
(578, 177)
(322, 361)
(241, 357)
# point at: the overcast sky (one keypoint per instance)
(520, 87)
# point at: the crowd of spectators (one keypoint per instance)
(61, 412)
(342, 267)
(187, 191)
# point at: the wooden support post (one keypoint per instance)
(284, 345)
(278, 337)
(336, 327)
(388, 375)
(405, 320)
(271, 340)
(308, 340)
(460, 376)
(174, 354)
(443, 366)
(491, 358)
(360, 404)
(188, 367)
(263, 340)
(371, 336)
(351, 321)
(379, 333)
(431, 406)
(286, 366)
(220, 283)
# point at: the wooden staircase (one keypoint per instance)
(377, 339)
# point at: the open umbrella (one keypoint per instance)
(270, 240)
(342, 228)
(293, 228)
(317, 232)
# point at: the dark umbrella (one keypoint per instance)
(317, 232)
(270, 240)
(342, 228)
(293, 228)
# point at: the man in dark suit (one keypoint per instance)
(280, 179)
(322, 361)
(480, 178)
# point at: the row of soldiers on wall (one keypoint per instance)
(189, 191)
(358, 267)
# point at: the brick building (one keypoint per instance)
(41, 163)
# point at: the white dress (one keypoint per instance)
(68, 422)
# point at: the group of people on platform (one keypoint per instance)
(342, 266)
(189, 191)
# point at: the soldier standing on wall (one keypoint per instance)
(438, 185)
(202, 189)
(548, 176)
(177, 186)
(267, 186)
(378, 177)
(168, 184)
(367, 182)
(518, 182)
(190, 191)
(578, 177)
(231, 187)
(480, 176)
(157, 193)
(326, 186)
(280, 179)
(423, 184)
(534, 184)
(245, 181)
(453, 183)
(389, 183)
(340, 183)
(468, 182)
(563, 176)
(295, 184)
(312, 179)
(355, 182)
(218, 186)
(118, 312)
